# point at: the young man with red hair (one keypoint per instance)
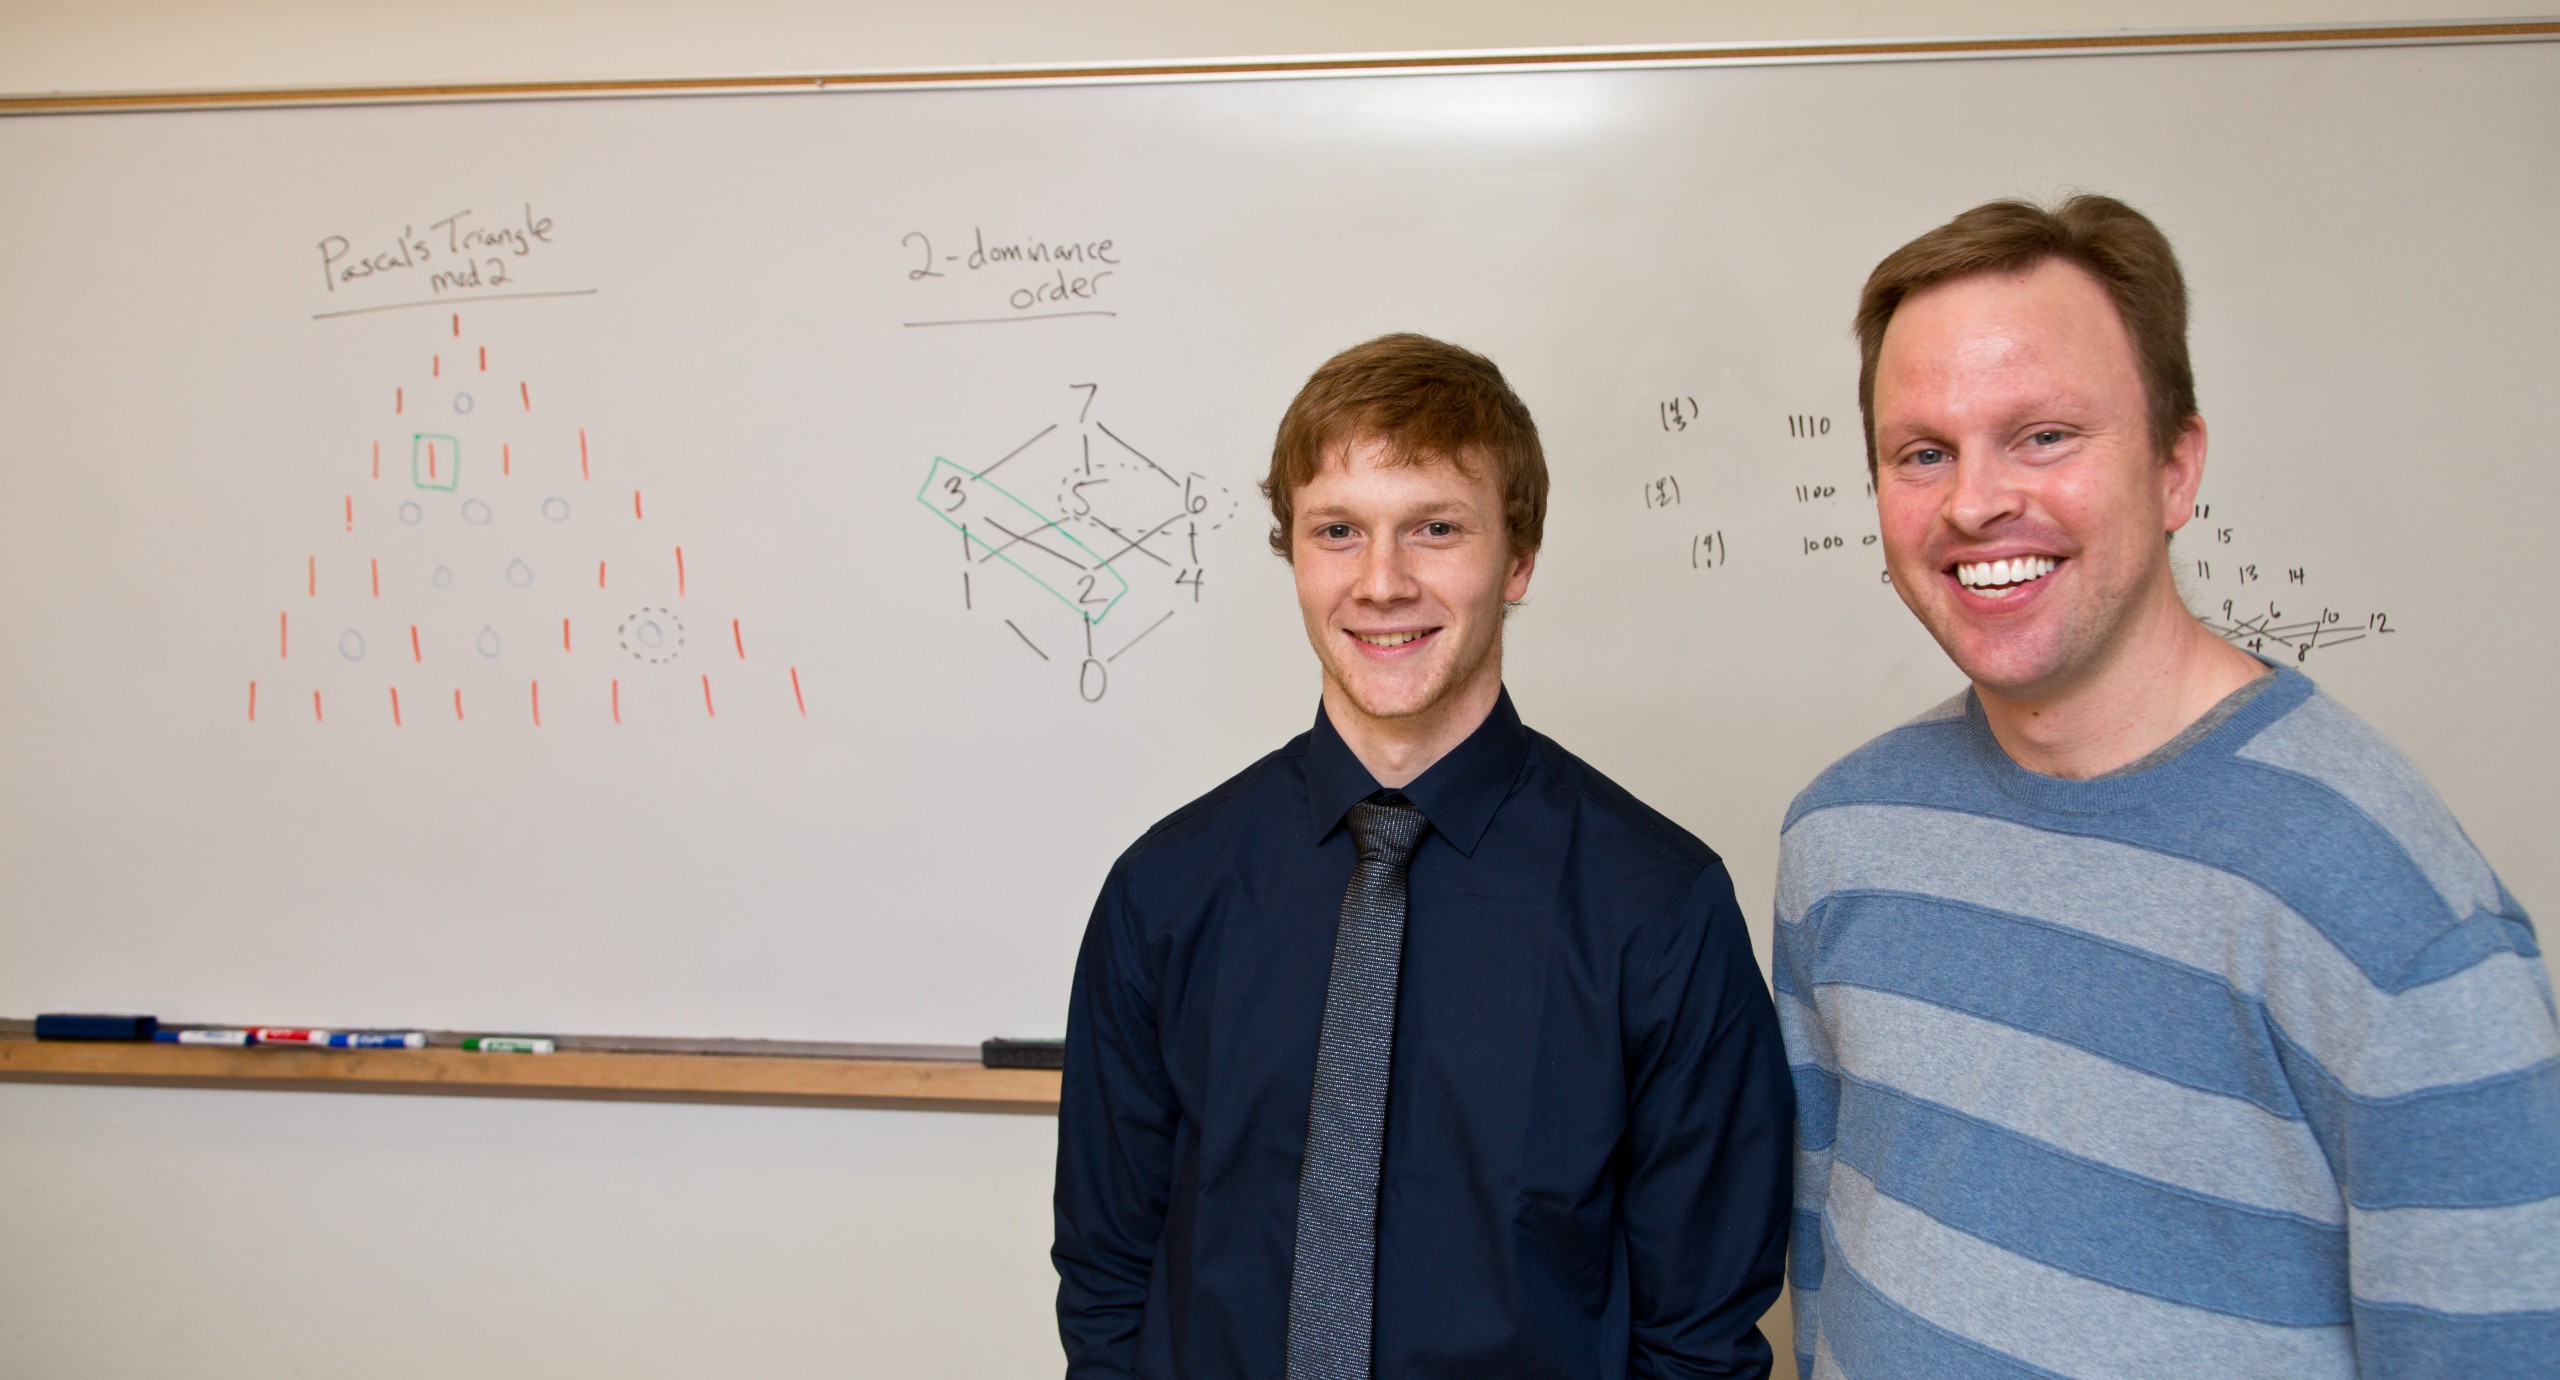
(1418, 1049)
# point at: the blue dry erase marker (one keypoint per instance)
(377, 1039)
(203, 1037)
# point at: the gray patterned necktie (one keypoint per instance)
(1333, 1278)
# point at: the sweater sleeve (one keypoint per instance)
(1816, 1075)
(2435, 1094)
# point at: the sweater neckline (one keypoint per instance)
(2109, 795)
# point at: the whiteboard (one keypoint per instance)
(744, 566)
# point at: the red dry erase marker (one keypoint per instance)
(287, 1035)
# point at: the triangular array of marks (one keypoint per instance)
(491, 562)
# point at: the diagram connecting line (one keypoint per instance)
(1024, 539)
(1143, 538)
(1133, 450)
(2323, 631)
(1139, 545)
(1141, 637)
(1017, 450)
(2290, 634)
(1026, 639)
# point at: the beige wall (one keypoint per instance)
(264, 1234)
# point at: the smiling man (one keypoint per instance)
(1418, 1049)
(2149, 1015)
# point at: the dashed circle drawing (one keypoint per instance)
(461, 402)
(654, 635)
(488, 643)
(476, 512)
(351, 645)
(443, 578)
(410, 512)
(556, 508)
(518, 573)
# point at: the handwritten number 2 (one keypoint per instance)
(927, 271)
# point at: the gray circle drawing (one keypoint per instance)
(654, 635)
(461, 402)
(351, 645)
(410, 512)
(518, 573)
(488, 643)
(556, 508)
(476, 512)
(443, 578)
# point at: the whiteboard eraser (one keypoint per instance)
(1023, 1054)
(63, 1027)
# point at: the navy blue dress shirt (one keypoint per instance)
(1589, 1118)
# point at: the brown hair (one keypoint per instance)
(2116, 244)
(1429, 402)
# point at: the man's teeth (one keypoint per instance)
(1387, 639)
(2017, 570)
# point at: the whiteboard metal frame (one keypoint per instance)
(1284, 68)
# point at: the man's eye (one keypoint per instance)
(2047, 437)
(1928, 455)
(1439, 529)
(1334, 531)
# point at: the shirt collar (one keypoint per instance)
(1458, 794)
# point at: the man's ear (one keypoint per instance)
(1515, 586)
(2182, 474)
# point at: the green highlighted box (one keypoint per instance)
(435, 462)
(998, 524)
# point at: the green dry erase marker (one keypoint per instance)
(507, 1044)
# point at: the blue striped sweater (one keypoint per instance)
(2242, 1065)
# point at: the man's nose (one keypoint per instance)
(1984, 493)
(1386, 574)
